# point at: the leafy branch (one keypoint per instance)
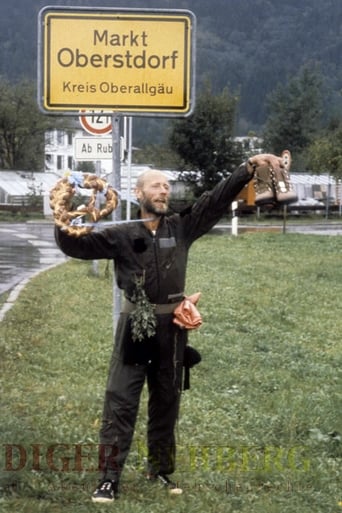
(143, 319)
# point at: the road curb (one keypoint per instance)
(15, 292)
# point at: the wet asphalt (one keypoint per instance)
(26, 248)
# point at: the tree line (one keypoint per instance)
(203, 145)
(249, 46)
(263, 67)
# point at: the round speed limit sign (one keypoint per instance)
(95, 123)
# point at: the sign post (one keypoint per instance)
(105, 63)
(117, 211)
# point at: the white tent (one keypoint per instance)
(315, 186)
(17, 186)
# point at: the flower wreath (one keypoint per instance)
(61, 196)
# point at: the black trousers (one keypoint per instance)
(159, 361)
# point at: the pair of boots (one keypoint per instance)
(273, 185)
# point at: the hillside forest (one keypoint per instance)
(255, 49)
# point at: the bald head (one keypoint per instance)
(151, 175)
(153, 191)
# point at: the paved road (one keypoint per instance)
(25, 248)
(320, 229)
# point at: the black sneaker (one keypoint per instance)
(107, 491)
(164, 480)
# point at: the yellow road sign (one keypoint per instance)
(128, 61)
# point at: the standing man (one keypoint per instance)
(150, 259)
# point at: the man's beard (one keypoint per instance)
(152, 208)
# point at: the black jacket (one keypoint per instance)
(161, 258)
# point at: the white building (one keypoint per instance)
(59, 150)
(250, 144)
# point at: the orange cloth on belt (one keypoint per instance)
(186, 314)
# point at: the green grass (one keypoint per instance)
(259, 431)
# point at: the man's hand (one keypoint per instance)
(272, 182)
(264, 160)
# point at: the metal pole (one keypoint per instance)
(116, 167)
(328, 198)
(129, 168)
(284, 218)
(97, 204)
